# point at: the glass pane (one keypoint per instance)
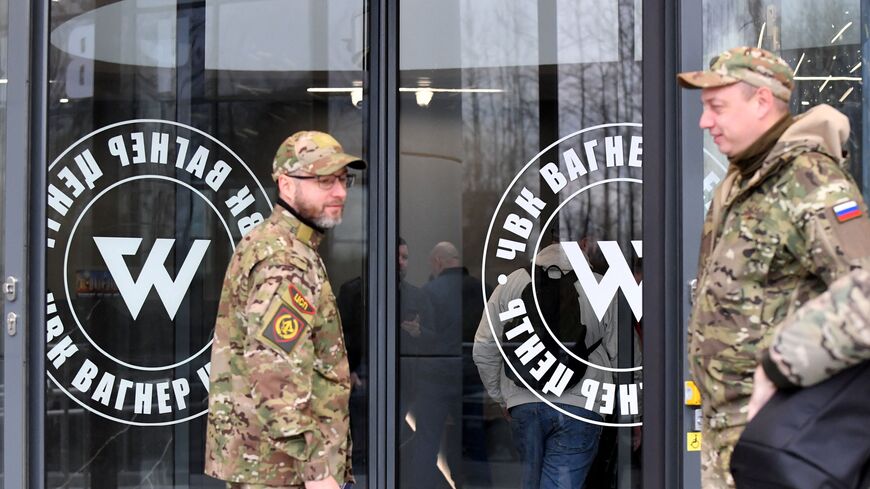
(164, 118)
(520, 154)
(822, 43)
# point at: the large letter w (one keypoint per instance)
(618, 276)
(153, 273)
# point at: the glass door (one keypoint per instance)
(163, 120)
(519, 257)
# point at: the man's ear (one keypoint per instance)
(285, 187)
(766, 101)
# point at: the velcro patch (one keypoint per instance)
(284, 329)
(846, 211)
(299, 301)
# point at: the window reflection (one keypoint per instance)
(233, 74)
(521, 76)
(821, 41)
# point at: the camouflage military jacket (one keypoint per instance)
(826, 335)
(770, 244)
(279, 382)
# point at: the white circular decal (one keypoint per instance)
(580, 200)
(143, 217)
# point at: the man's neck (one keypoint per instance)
(308, 222)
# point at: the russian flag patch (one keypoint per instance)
(847, 210)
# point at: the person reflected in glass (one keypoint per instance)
(457, 296)
(417, 335)
(556, 449)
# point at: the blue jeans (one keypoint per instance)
(556, 450)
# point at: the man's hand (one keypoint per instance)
(762, 390)
(328, 483)
(413, 327)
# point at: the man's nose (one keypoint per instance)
(706, 121)
(339, 190)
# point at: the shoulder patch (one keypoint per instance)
(284, 329)
(298, 301)
(847, 210)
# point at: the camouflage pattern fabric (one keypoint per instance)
(313, 152)
(280, 383)
(827, 335)
(771, 243)
(755, 66)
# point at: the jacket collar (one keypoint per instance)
(304, 230)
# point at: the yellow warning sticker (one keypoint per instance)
(693, 441)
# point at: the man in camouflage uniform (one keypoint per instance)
(776, 234)
(828, 334)
(279, 387)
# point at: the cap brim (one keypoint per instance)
(704, 79)
(339, 161)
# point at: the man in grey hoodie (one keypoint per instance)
(556, 450)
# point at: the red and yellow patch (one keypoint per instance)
(300, 302)
(284, 329)
(287, 327)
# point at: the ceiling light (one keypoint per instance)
(356, 96)
(453, 90)
(356, 92)
(424, 96)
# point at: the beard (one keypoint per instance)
(313, 214)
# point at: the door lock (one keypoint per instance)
(10, 288)
(11, 323)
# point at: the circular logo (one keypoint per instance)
(143, 217)
(564, 245)
(287, 328)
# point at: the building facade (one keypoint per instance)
(137, 138)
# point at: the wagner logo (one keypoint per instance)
(157, 208)
(300, 301)
(573, 210)
(619, 275)
(154, 274)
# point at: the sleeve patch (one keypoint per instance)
(284, 329)
(845, 211)
(299, 302)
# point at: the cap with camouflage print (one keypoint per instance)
(313, 152)
(755, 66)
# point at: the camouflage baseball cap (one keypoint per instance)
(314, 152)
(755, 66)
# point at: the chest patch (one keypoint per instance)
(847, 210)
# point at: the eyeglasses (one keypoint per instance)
(326, 182)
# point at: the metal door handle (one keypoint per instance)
(11, 323)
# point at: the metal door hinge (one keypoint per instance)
(10, 288)
(11, 323)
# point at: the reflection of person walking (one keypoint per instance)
(279, 387)
(774, 237)
(557, 447)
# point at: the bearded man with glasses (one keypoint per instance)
(280, 383)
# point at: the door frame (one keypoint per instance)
(24, 240)
(662, 352)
